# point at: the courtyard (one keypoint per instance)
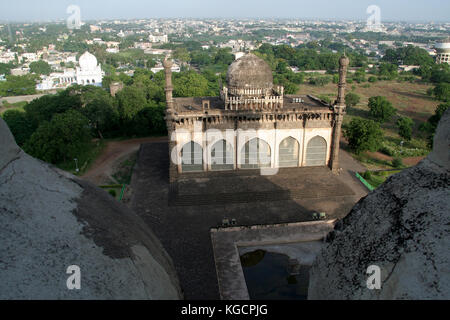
(182, 214)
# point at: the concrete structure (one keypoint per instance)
(443, 52)
(229, 243)
(253, 124)
(158, 38)
(52, 220)
(115, 87)
(402, 228)
(89, 72)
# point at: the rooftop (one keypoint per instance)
(291, 102)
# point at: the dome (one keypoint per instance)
(249, 71)
(65, 221)
(88, 61)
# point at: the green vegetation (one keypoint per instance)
(408, 55)
(363, 135)
(40, 67)
(124, 171)
(381, 109)
(430, 126)
(376, 178)
(405, 125)
(18, 85)
(352, 99)
(60, 139)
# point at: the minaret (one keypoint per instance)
(173, 167)
(339, 111)
(169, 87)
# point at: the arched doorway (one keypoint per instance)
(288, 153)
(222, 156)
(316, 152)
(255, 154)
(191, 157)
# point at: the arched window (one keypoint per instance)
(93, 81)
(288, 153)
(87, 81)
(255, 154)
(316, 152)
(222, 156)
(191, 157)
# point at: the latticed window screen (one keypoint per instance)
(316, 152)
(288, 153)
(222, 156)
(191, 157)
(255, 154)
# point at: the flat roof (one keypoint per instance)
(299, 102)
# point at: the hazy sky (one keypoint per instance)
(391, 10)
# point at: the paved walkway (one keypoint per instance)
(184, 230)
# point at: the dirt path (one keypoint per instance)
(101, 170)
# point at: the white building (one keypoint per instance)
(155, 38)
(89, 71)
(443, 52)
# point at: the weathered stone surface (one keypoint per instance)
(403, 227)
(249, 71)
(50, 220)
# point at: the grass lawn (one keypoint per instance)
(124, 170)
(16, 105)
(378, 177)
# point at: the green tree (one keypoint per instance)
(363, 135)
(60, 139)
(190, 84)
(18, 85)
(404, 125)
(182, 54)
(381, 109)
(102, 115)
(19, 125)
(40, 67)
(388, 71)
(150, 120)
(352, 99)
(130, 100)
(44, 108)
(442, 92)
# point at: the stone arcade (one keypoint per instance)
(253, 124)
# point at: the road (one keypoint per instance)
(101, 170)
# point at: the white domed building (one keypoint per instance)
(89, 72)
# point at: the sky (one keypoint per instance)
(391, 10)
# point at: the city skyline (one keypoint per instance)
(51, 10)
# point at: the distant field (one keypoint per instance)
(409, 99)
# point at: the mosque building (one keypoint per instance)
(253, 124)
(89, 71)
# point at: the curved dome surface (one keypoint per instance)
(249, 71)
(64, 221)
(88, 61)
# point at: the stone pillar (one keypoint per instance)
(339, 111)
(173, 167)
(169, 87)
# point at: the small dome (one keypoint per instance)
(249, 71)
(88, 61)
